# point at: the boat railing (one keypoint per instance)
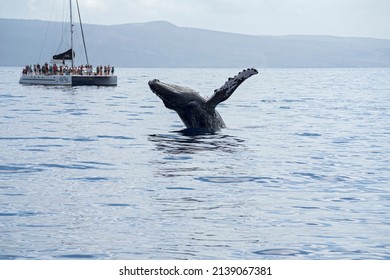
(82, 70)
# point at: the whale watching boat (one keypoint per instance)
(62, 70)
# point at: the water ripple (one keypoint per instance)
(79, 256)
(24, 168)
(91, 179)
(119, 137)
(67, 166)
(235, 179)
(281, 253)
(76, 139)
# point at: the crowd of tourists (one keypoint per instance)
(47, 69)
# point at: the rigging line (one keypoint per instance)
(47, 30)
(71, 31)
(63, 29)
(82, 32)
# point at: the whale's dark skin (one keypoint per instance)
(194, 110)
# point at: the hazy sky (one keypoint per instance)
(356, 18)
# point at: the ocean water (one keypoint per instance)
(301, 171)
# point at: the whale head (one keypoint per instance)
(174, 96)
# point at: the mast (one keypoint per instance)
(71, 29)
(82, 32)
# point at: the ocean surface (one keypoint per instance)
(301, 172)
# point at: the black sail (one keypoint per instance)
(65, 55)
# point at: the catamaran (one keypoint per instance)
(60, 73)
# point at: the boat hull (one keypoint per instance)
(68, 80)
(94, 80)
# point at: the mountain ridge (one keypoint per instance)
(163, 44)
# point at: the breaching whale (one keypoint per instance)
(194, 110)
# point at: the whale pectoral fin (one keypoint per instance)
(229, 87)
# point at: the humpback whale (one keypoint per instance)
(194, 110)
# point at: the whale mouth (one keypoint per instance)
(170, 95)
(159, 87)
(162, 90)
(170, 92)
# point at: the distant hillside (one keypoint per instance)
(162, 44)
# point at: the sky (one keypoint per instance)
(347, 18)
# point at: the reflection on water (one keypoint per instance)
(189, 152)
(190, 141)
